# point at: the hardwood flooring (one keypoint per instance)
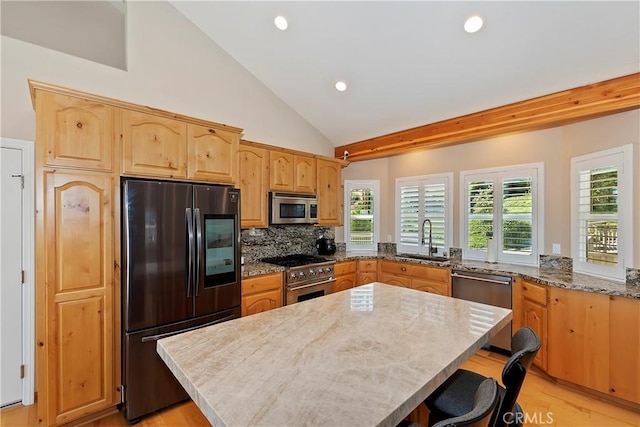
(545, 404)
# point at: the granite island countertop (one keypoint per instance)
(552, 277)
(363, 357)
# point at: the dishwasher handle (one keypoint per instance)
(481, 279)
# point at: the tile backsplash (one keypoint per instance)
(280, 240)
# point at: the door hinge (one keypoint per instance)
(22, 277)
(22, 371)
(21, 176)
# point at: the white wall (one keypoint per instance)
(171, 65)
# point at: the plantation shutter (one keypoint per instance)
(409, 216)
(361, 216)
(435, 211)
(517, 216)
(480, 214)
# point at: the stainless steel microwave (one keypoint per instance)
(292, 208)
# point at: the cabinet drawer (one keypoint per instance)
(431, 287)
(396, 268)
(344, 267)
(370, 265)
(432, 274)
(252, 285)
(391, 279)
(534, 292)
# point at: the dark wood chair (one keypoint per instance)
(455, 397)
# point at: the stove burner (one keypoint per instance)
(295, 260)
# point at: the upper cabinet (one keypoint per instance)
(292, 172)
(153, 145)
(75, 132)
(212, 154)
(329, 192)
(254, 184)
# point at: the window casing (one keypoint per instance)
(418, 199)
(601, 212)
(506, 204)
(361, 215)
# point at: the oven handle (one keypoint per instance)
(324, 282)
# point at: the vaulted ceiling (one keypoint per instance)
(410, 63)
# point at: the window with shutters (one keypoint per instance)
(505, 205)
(361, 230)
(601, 206)
(424, 205)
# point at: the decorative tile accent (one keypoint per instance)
(387, 248)
(280, 240)
(455, 253)
(557, 262)
(633, 276)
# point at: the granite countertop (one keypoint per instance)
(260, 268)
(322, 362)
(553, 277)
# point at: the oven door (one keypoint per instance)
(309, 291)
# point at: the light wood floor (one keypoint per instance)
(545, 403)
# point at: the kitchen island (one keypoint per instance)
(367, 356)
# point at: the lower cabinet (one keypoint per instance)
(367, 271)
(432, 279)
(534, 315)
(261, 293)
(345, 272)
(594, 341)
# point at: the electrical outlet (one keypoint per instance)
(555, 249)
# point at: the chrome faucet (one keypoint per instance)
(431, 248)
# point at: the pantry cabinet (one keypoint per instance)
(75, 133)
(261, 293)
(212, 154)
(329, 192)
(345, 273)
(254, 184)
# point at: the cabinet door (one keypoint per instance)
(281, 171)
(578, 341)
(367, 265)
(366, 277)
(329, 193)
(430, 286)
(345, 282)
(74, 132)
(305, 174)
(624, 344)
(212, 154)
(154, 146)
(75, 333)
(254, 182)
(263, 301)
(535, 317)
(389, 279)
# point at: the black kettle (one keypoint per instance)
(326, 246)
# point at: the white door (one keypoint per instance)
(11, 276)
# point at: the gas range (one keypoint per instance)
(304, 269)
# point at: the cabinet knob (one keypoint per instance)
(403, 268)
(212, 131)
(79, 125)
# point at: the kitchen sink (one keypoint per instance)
(425, 257)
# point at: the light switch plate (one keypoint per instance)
(556, 249)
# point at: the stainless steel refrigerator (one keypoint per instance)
(181, 271)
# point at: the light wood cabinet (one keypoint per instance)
(425, 278)
(76, 318)
(254, 183)
(292, 172)
(261, 293)
(153, 145)
(329, 192)
(345, 273)
(594, 341)
(74, 132)
(367, 271)
(212, 154)
(304, 174)
(534, 315)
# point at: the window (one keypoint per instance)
(601, 217)
(505, 204)
(361, 216)
(419, 199)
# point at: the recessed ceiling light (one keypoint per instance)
(473, 24)
(281, 23)
(341, 86)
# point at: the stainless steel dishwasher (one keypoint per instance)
(487, 289)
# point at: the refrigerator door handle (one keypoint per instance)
(198, 249)
(127, 243)
(189, 220)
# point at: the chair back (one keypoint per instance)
(524, 345)
(484, 404)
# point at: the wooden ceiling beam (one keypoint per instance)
(581, 103)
